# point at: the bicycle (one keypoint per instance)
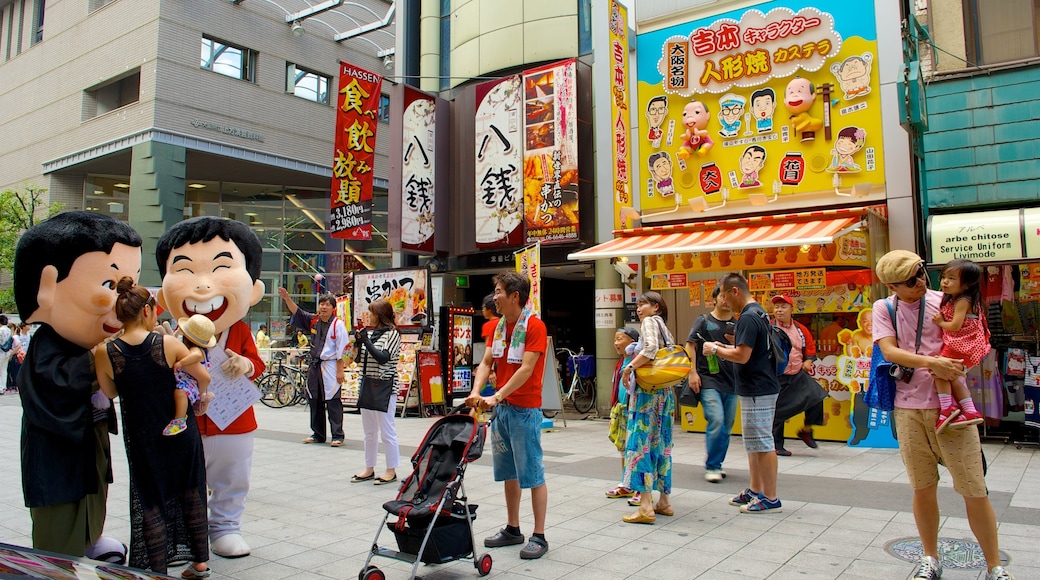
(582, 369)
(282, 384)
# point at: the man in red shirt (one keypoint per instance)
(517, 350)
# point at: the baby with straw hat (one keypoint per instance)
(197, 334)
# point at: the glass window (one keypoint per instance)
(228, 60)
(307, 84)
(384, 108)
(1003, 31)
(38, 10)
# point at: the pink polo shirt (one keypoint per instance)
(920, 392)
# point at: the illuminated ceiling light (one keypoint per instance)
(197, 185)
(251, 213)
(121, 185)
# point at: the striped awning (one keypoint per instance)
(737, 234)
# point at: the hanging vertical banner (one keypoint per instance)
(417, 172)
(619, 110)
(529, 263)
(500, 149)
(357, 106)
(551, 153)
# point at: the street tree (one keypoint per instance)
(20, 209)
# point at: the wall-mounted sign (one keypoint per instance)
(992, 235)
(499, 163)
(620, 112)
(233, 131)
(756, 105)
(610, 298)
(356, 108)
(418, 176)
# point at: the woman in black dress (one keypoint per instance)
(167, 474)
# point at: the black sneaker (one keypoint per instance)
(806, 436)
(927, 569)
(536, 548)
(504, 538)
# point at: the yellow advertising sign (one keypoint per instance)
(758, 105)
(847, 250)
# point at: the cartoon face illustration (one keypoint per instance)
(656, 111)
(849, 141)
(763, 104)
(661, 166)
(731, 108)
(751, 162)
(853, 75)
(800, 95)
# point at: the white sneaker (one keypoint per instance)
(927, 569)
(999, 573)
(714, 475)
(230, 546)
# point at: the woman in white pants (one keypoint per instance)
(377, 355)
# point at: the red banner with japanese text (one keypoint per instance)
(551, 153)
(356, 112)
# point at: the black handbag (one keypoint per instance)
(375, 394)
(687, 396)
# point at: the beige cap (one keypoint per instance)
(897, 266)
(199, 330)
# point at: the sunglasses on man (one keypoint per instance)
(912, 281)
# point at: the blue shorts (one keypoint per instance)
(516, 444)
(756, 423)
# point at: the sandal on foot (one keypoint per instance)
(620, 493)
(664, 511)
(190, 573)
(177, 426)
(360, 478)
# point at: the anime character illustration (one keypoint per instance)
(763, 105)
(853, 75)
(799, 99)
(661, 169)
(751, 163)
(731, 108)
(65, 273)
(849, 141)
(656, 111)
(211, 266)
(695, 118)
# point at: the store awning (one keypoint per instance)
(737, 234)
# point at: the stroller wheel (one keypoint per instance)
(483, 565)
(371, 573)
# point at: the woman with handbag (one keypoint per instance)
(648, 450)
(377, 353)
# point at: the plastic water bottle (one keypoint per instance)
(713, 364)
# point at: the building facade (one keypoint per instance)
(153, 112)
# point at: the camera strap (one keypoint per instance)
(892, 313)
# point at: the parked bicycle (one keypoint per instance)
(581, 368)
(283, 384)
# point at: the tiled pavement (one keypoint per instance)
(842, 505)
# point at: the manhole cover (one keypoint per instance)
(955, 554)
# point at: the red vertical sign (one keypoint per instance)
(357, 107)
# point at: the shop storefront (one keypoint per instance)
(1006, 243)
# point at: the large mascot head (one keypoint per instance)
(65, 274)
(210, 266)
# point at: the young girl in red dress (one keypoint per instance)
(962, 317)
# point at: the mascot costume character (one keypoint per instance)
(211, 266)
(65, 274)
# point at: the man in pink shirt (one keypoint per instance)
(917, 406)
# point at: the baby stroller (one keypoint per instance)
(434, 521)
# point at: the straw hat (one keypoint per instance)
(199, 330)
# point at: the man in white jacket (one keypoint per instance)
(329, 339)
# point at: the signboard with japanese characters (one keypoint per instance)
(814, 290)
(356, 109)
(620, 112)
(979, 236)
(550, 153)
(417, 172)
(529, 263)
(406, 290)
(499, 163)
(754, 105)
(847, 250)
(610, 298)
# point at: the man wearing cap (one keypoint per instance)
(798, 391)
(914, 343)
(717, 389)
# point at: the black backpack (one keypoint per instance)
(779, 345)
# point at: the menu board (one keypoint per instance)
(407, 290)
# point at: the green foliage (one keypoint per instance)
(20, 209)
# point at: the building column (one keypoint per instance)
(157, 179)
(607, 278)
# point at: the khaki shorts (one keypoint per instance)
(922, 450)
